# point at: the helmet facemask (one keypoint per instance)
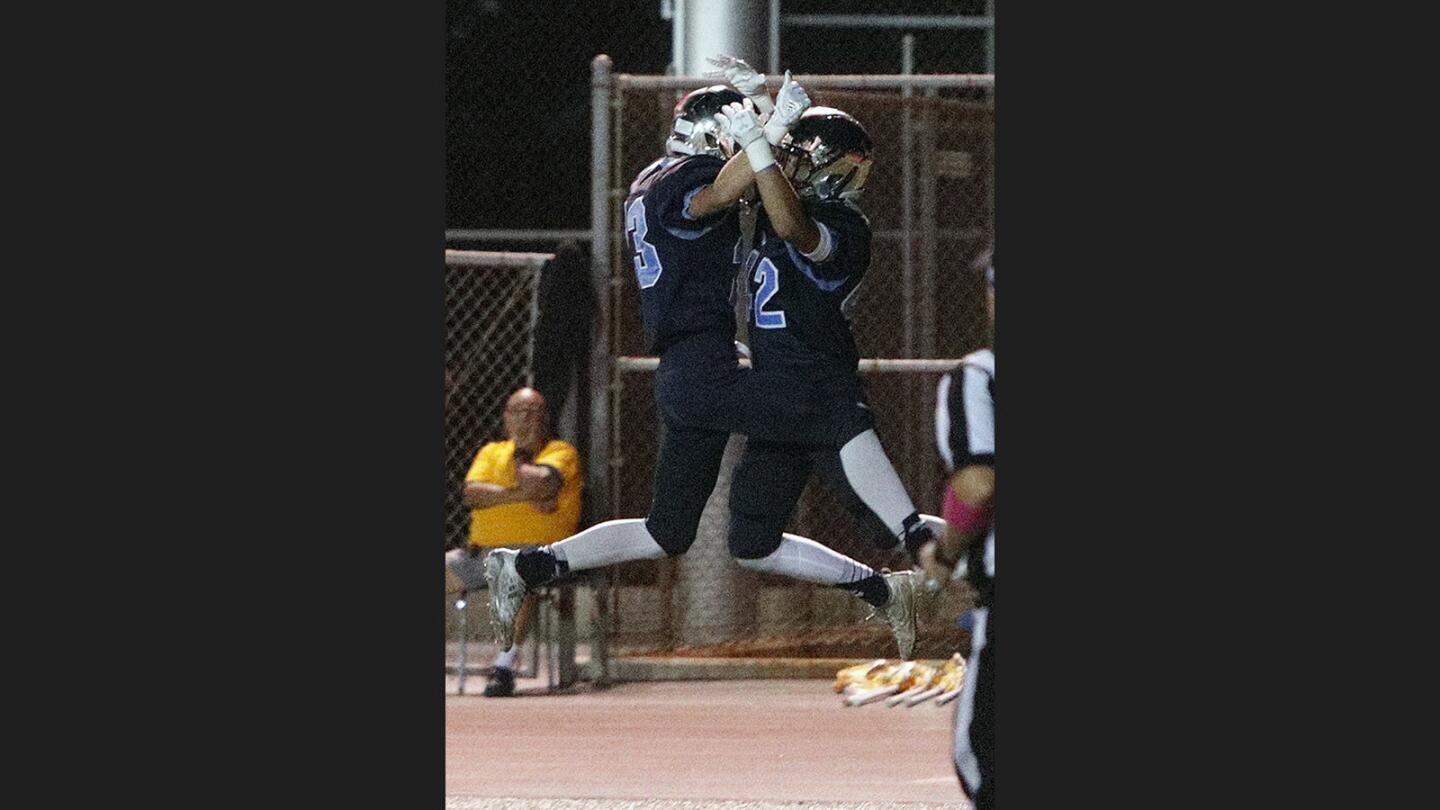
(702, 137)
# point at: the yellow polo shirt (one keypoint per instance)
(521, 523)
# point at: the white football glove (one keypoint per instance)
(743, 78)
(790, 103)
(747, 134)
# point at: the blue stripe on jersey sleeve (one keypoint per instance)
(688, 233)
(825, 285)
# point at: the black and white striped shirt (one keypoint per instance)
(965, 423)
(965, 412)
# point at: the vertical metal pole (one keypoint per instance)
(736, 27)
(774, 37)
(534, 325)
(928, 209)
(927, 482)
(907, 254)
(907, 195)
(677, 39)
(565, 635)
(550, 641)
(597, 463)
(616, 284)
(600, 632)
(539, 637)
(717, 599)
(990, 155)
(460, 668)
(990, 37)
(537, 621)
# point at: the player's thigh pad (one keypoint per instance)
(766, 485)
(685, 476)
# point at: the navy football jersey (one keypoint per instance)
(800, 310)
(685, 267)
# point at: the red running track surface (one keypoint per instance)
(756, 740)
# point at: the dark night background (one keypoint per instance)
(518, 88)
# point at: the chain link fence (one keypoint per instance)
(492, 308)
(930, 201)
(512, 319)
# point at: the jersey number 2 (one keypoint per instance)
(769, 277)
(647, 262)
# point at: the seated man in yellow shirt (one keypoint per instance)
(522, 491)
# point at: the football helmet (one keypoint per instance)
(695, 130)
(826, 155)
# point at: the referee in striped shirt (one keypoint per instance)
(965, 437)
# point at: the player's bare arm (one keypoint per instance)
(782, 204)
(787, 215)
(728, 188)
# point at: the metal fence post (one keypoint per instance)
(907, 254)
(597, 462)
(460, 667)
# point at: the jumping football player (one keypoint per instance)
(812, 249)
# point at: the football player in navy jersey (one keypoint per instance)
(811, 252)
(682, 229)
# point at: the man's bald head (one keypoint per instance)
(526, 420)
(525, 398)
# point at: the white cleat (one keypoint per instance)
(507, 591)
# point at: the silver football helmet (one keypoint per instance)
(826, 155)
(695, 130)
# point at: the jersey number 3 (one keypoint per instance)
(769, 277)
(647, 262)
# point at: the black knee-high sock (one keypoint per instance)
(916, 535)
(872, 589)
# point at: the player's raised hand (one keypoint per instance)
(792, 99)
(790, 103)
(741, 123)
(737, 73)
(743, 78)
(746, 133)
